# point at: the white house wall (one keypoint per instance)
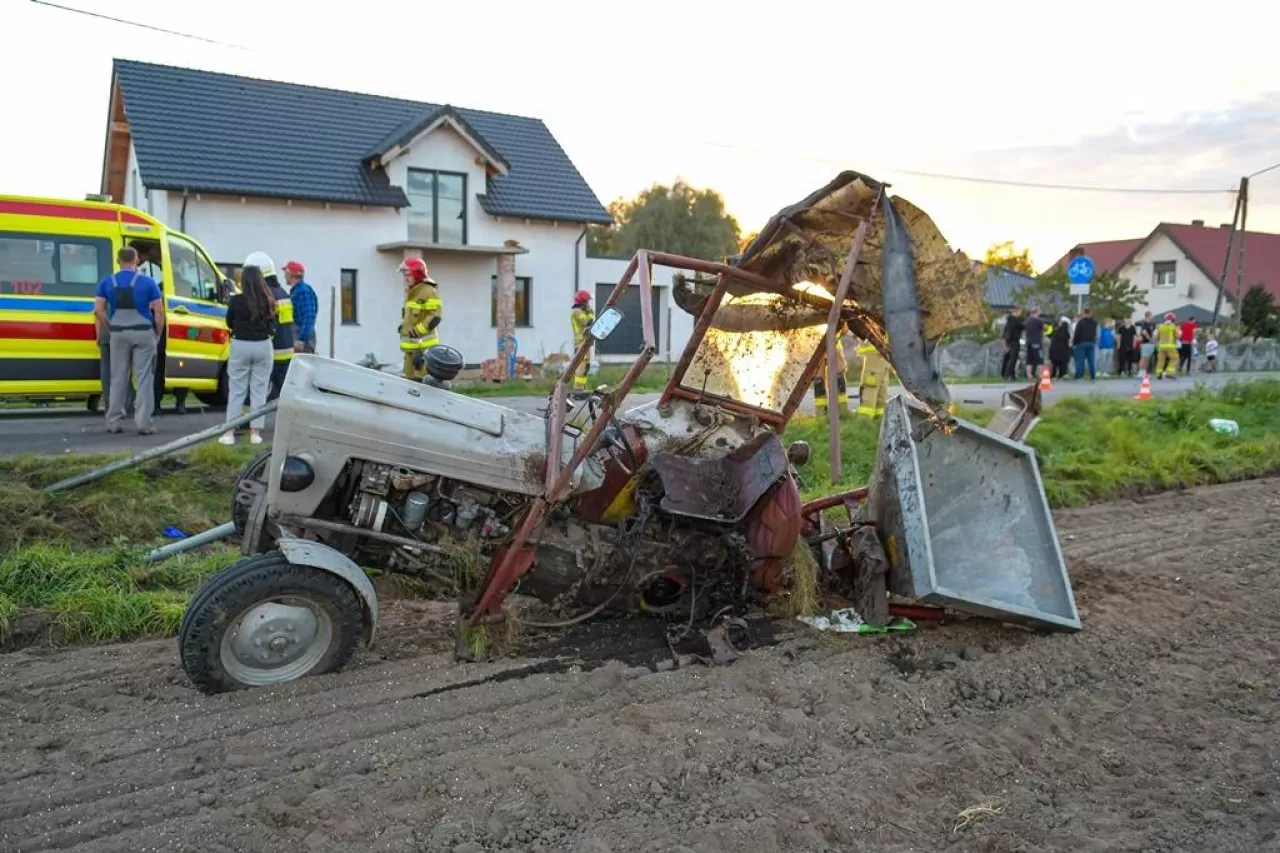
(1191, 285)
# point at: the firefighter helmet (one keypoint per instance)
(582, 297)
(415, 267)
(262, 261)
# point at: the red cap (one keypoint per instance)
(294, 266)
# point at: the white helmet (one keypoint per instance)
(262, 261)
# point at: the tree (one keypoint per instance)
(1004, 255)
(1114, 297)
(1051, 293)
(677, 219)
(1258, 313)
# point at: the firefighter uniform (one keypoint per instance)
(820, 381)
(1167, 347)
(873, 386)
(283, 338)
(581, 317)
(417, 334)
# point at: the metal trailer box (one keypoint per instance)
(965, 522)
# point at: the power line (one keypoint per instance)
(138, 24)
(1264, 171)
(1000, 181)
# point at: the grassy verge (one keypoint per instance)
(73, 558)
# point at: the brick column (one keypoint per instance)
(506, 305)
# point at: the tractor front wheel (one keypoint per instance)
(266, 621)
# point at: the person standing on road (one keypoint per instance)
(1084, 343)
(1107, 347)
(1126, 343)
(306, 307)
(1146, 344)
(131, 306)
(250, 318)
(1211, 353)
(282, 339)
(1186, 343)
(420, 319)
(1012, 342)
(1167, 347)
(1035, 343)
(580, 318)
(1060, 348)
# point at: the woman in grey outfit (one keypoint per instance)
(251, 319)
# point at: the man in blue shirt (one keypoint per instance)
(306, 308)
(131, 306)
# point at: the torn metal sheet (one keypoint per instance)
(965, 522)
(1018, 414)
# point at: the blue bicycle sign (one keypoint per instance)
(1081, 270)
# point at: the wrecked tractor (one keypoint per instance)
(686, 509)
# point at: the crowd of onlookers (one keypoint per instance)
(1161, 349)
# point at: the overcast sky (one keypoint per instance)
(764, 106)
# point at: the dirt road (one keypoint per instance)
(1155, 729)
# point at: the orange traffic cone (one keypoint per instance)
(1144, 392)
(1045, 384)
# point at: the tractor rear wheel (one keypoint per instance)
(265, 621)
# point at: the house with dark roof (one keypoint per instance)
(350, 185)
(1180, 266)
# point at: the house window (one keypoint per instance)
(524, 295)
(349, 301)
(437, 206)
(1165, 274)
(40, 265)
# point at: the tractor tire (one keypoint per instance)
(265, 621)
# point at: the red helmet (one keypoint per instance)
(415, 267)
(582, 297)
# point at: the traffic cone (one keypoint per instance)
(1045, 384)
(1144, 392)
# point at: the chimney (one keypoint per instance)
(1199, 223)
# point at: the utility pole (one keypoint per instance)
(1226, 260)
(1244, 233)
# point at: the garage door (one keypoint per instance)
(628, 338)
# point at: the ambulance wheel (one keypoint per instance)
(216, 399)
(265, 621)
(92, 403)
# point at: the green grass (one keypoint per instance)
(75, 556)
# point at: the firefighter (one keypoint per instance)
(820, 381)
(581, 317)
(1167, 347)
(873, 385)
(283, 338)
(420, 319)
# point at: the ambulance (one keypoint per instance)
(53, 254)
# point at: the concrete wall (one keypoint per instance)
(969, 358)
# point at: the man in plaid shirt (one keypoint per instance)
(306, 308)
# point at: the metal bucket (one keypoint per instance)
(965, 522)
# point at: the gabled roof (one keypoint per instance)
(220, 133)
(1003, 286)
(413, 128)
(1108, 255)
(1204, 246)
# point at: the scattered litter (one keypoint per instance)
(973, 814)
(847, 621)
(1222, 426)
(172, 532)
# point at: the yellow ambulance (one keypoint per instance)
(53, 253)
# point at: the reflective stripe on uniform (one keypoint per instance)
(284, 310)
(423, 304)
(281, 355)
(414, 344)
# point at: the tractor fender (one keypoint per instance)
(302, 552)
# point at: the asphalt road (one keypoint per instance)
(58, 431)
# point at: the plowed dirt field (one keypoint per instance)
(1157, 728)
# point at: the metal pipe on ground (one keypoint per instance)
(156, 452)
(164, 552)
